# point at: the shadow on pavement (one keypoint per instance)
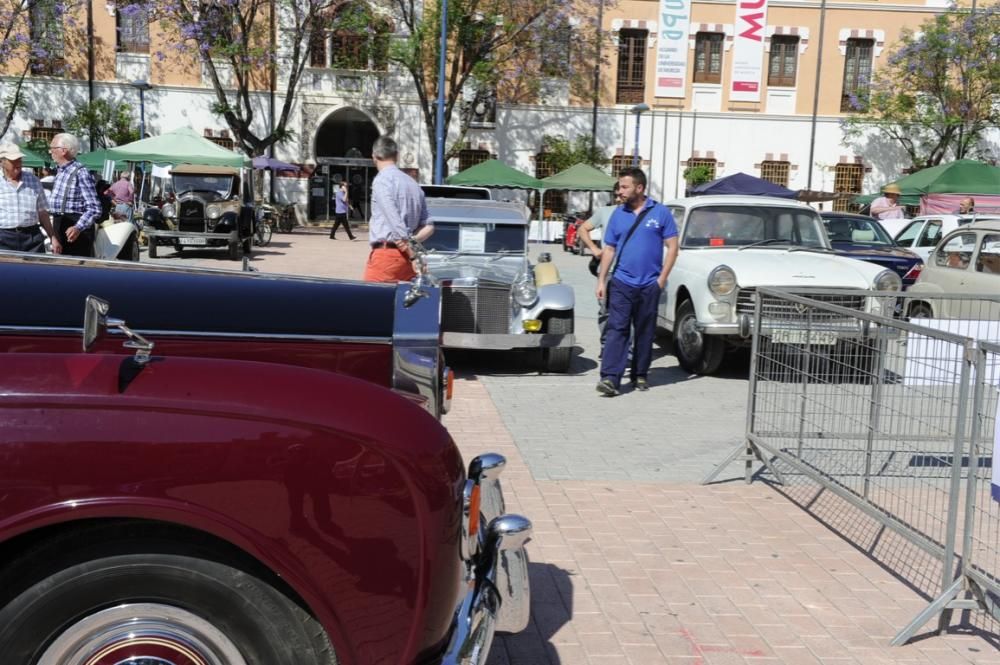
(551, 609)
(512, 363)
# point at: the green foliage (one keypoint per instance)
(697, 175)
(935, 95)
(562, 154)
(108, 125)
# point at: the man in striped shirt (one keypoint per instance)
(22, 206)
(74, 202)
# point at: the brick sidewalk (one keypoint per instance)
(643, 573)
(630, 573)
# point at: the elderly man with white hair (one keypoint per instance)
(74, 204)
(23, 212)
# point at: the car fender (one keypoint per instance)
(552, 297)
(247, 452)
(111, 238)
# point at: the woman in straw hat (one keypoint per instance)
(887, 206)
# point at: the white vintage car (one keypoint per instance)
(732, 244)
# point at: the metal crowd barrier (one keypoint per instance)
(891, 404)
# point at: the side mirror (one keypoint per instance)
(95, 319)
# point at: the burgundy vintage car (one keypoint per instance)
(202, 467)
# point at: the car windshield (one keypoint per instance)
(857, 231)
(743, 225)
(477, 238)
(220, 185)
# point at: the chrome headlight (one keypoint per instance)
(213, 211)
(887, 280)
(722, 281)
(169, 210)
(525, 294)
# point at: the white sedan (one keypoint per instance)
(730, 245)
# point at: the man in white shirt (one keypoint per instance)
(23, 208)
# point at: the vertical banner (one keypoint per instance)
(748, 50)
(672, 48)
(995, 487)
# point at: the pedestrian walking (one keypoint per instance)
(341, 208)
(74, 204)
(633, 272)
(122, 193)
(599, 220)
(399, 213)
(23, 209)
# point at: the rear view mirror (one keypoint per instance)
(95, 315)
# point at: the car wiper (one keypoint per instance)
(500, 254)
(806, 248)
(452, 257)
(769, 241)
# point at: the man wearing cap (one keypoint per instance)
(22, 206)
(74, 201)
(887, 206)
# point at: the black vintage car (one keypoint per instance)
(212, 207)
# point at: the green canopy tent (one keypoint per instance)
(32, 159)
(95, 159)
(181, 146)
(494, 173)
(580, 178)
(939, 189)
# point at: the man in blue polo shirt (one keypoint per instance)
(634, 240)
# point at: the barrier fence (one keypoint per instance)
(891, 404)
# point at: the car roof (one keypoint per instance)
(737, 199)
(987, 224)
(458, 192)
(956, 217)
(468, 210)
(197, 169)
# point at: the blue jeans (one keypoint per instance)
(629, 307)
(23, 239)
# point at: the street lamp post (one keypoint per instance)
(638, 110)
(439, 115)
(142, 86)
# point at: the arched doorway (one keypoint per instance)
(343, 152)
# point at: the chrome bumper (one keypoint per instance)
(498, 594)
(232, 236)
(503, 342)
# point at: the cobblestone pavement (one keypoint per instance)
(635, 563)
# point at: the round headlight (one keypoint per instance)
(525, 294)
(213, 211)
(887, 280)
(722, 281)
(168, 210)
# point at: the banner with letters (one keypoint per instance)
(748, 50)
(672, 48)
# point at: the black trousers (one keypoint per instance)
(23, 239)
(84, 245)
(340, 219)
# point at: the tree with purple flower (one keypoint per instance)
(937, 94)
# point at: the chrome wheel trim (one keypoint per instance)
(689, 338)
(142, 634)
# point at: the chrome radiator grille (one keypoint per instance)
(777, 307)
(484, 309)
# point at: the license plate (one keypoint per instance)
(193, 241)
(820, 337)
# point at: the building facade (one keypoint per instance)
(758, 86)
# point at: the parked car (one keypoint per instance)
(921, 234)
(492, 297)
(965, 262)
(730, 245)
(219, 467)
(213, 207)
(863, 238)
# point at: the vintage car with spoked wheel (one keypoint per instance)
(730, 245)
(213, 207)
(223, 468)
(492, 297)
